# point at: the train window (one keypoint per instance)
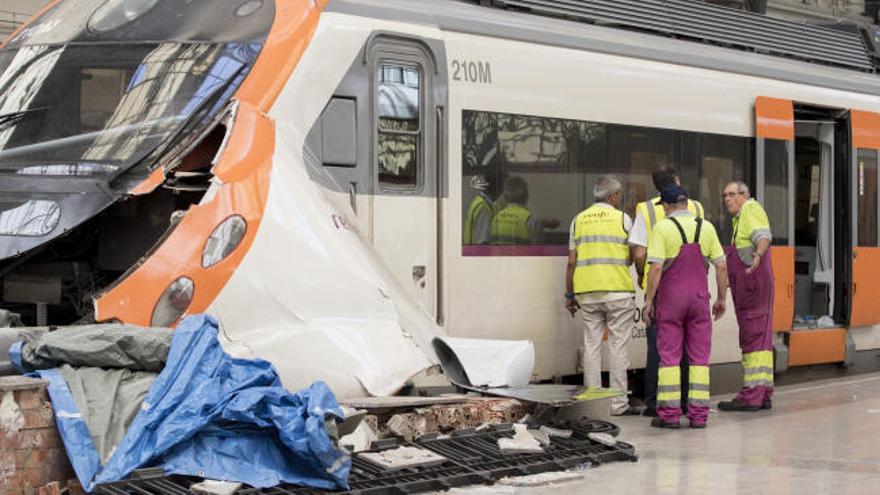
(101, 90)
(634, 154)
(399, 126)
(867, 197)
(722, 159)
(776, 189)
(523, 180)
(547, 168)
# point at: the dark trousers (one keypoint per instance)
(652, 370)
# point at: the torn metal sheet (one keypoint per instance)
(490, 363)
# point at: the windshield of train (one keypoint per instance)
(91, 89)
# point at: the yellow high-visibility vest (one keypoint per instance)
(652, 211)
(602, 252)
(511, 225)
(479, 204)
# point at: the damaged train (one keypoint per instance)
(302, 170)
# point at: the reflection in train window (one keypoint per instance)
(399, 127)
(559, 161)
(867, 195)
(776, 193)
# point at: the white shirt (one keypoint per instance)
(600, 297)
(638, 235)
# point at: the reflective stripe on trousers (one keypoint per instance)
(758, 368)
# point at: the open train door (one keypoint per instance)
(775, 185)
(864, 191)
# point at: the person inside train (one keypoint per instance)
(677, 298)
(648, 214)
(752, 286)
(514, 223)
(598, 282)
(482, 209)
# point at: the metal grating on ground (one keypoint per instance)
(474, 458)
(688, 19)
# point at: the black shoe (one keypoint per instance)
(767, 405)
(629, 411)
(697, 425)
(659, 423)
(736, 405)
(649, 412)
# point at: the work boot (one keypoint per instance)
(649, 412)
(697, 424)
(659, 423)
(767, 404)
(736, 405)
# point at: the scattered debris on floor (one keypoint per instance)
(522, 442)
(472, 458)
(542, 479)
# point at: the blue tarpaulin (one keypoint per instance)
(214, 416)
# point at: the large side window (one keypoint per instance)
(867, 197)
(529, 176)
(523, 177)
(399, 125)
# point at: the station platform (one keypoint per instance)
(821, 437)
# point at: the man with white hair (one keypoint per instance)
(598, 282)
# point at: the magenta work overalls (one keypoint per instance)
(684, 320)
(753, 300)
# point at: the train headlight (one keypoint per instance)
(173, 302)
(225, 238)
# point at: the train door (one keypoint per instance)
(865, 260)
(814, 206)
(407, 111)
(774, 147)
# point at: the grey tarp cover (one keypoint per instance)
(11, 331)
(108, 368)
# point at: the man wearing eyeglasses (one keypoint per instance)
(752, 286)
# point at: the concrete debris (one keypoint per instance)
(556, 432)
(214, 487)
(360, 439)
(603, 438)
(541, 436)
(542, 479)
(403, 458)
(11, 419)
(522, 442)
(475, 413)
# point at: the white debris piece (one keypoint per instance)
(402, 458)
(360, 439)
(603, 438)
(214, 487)
(11, 418)
(522, 442)
(556, 432)
(541, 436)
(542, 479)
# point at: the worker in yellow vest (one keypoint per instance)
(648, 214)
(599, 283)
(481, 211)
(515, 224)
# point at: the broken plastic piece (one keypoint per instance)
(522, 442)
(403, 458)
(593, 393)
(603, 438)
(556, 432)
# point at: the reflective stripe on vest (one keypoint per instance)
(511, 225)
(602, 252)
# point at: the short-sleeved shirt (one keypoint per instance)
(665, 242)
(597, 297)
(638, 236)
(750, 225)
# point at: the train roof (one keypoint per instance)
(682, 32)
